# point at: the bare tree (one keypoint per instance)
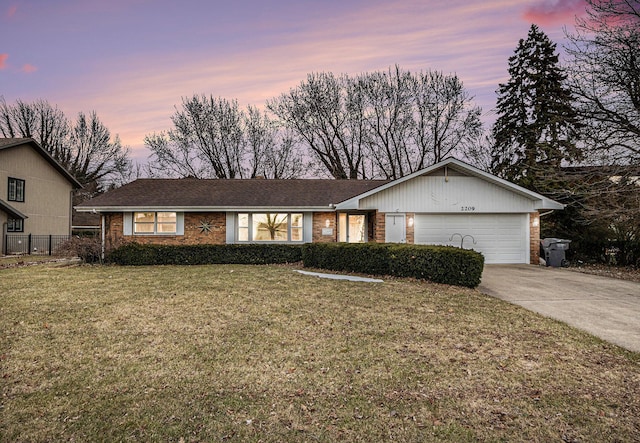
(214, 138)
(446, 118)
(604, 74)
(389, 122)
(380, 124)
(85, 147)
(605, 78)
(317, 112)
(477, 152)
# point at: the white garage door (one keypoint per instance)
(502, 238)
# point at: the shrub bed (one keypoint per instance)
(440, 264)
(137, 254)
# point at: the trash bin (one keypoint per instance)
(554, 251)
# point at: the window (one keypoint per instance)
(15, 225)
(243, 227)
(351, 228)
(154, 223)
(16, 190)
(270, 227)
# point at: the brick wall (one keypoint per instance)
(379, 227)
(193, 232)
(320, 223)
(380, 224)
(113, 230)
(410, 225)
(534, 238)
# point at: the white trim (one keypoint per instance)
(232, 218)
(206, 209)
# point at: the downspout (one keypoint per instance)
(3, 240)
(102, 237)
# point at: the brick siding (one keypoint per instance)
(320, 223)
(193, 233)
(534, 238)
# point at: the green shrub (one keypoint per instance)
(440, 264)
(137, 254)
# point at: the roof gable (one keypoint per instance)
(453, 166)
(8, 143)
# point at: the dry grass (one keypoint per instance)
(13, 261)
(260, 353)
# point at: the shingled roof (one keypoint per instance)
(219, 194)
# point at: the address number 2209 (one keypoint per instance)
(467, 208)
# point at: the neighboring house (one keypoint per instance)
(449, 203)
(35, 192)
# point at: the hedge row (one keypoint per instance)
(440, 264)
(137, 254)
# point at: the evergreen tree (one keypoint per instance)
(535, 130)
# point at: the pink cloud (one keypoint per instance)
(554, 11)
(3, 60)
(11, 11)
(27, 68)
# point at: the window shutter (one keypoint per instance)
(179, 223)
(127, 223)
(231, 227)
(307, 231)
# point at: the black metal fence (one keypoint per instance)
(33, 244)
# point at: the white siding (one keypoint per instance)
(501, 238)
(459, 194)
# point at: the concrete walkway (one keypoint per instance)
(341, 277)
(605, 307)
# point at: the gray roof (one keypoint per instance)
(221, 193)
(13, 212)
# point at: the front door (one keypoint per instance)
(395, 228)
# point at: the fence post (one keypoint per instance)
(50, 243)
(29, 245)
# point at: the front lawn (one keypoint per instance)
(261, 353)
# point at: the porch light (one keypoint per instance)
(410, 221)
(536, 222)
(327, 223)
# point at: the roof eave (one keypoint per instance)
(547, 203)
(10, 210)
(101, 209)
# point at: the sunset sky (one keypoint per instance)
(132, 61)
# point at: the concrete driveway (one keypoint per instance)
(605, 307)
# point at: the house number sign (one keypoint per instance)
(467, 208)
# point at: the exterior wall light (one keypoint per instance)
(327, 223)
(410, 221)
(536, 222)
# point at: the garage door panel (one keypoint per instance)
(501, 238)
